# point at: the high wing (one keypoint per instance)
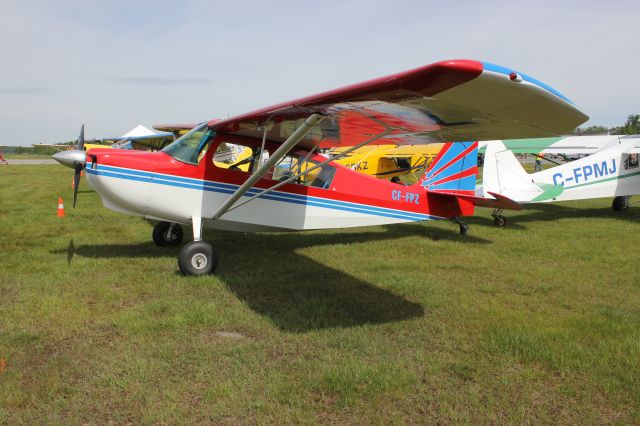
(457, 100)
(142, 138)
(409, 151)
(452, 100)
(57, 147)
(176, 129)
(568, 145)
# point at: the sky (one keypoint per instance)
(115, 64)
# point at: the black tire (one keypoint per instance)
(197, 258)
(620, 204)
(500, 220)
(162, 237)
(464, 228)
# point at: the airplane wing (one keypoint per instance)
(568, 145)
(452, 100)
(57, 147)
(409, 151)
(153, 142)
(635, 147)
(457, 100)
(176, 129)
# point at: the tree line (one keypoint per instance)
(630, 127)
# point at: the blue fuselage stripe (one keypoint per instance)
(202, 185)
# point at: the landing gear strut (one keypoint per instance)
(464, 228)
(167, 234)
(197, 257)
(498, 218)
(620, 203)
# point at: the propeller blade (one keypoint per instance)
(76, 182)
(80, 146)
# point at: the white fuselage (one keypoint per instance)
(612, 171)
(179, 199)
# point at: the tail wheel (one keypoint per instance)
(167, 234)
(499, 220)
(197, 258)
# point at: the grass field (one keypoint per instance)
(536, 323)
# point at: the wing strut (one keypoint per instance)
(310, 169)
(310, 122)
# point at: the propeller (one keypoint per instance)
(80, 145)
(77, 167)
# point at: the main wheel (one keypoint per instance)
(499, 220)
(166, 235)
(197, 258)
(620, 203)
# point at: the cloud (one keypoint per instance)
(115, 64)
(21, 90)
(163, 82)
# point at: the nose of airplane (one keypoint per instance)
(70, 158)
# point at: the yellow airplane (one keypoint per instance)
(389, 161)
(384, 161)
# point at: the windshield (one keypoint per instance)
(191, 147)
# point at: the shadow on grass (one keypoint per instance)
(551, 212)
(296, 293)
(299, 294)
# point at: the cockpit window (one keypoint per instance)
(241, 157)
(299, 164)
(191, 147)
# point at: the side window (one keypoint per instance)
(234, 156)
(630, 161)
(304, 170)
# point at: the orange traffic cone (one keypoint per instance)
(60, 208)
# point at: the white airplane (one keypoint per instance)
(297, 188)
(609, 168)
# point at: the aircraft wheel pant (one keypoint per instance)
(167, 234)
(620, 203)
(197, 258)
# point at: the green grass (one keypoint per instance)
(536, 323)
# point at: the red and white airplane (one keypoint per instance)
(290, 185)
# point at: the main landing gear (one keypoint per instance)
(621, 203)
(498, 218)
(197, 257)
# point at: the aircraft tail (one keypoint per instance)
(450, 181)
(454, 169)
(502, 174)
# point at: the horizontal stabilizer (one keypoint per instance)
(497, 202)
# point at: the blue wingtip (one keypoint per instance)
(506, 71)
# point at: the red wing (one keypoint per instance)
(454, 100)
